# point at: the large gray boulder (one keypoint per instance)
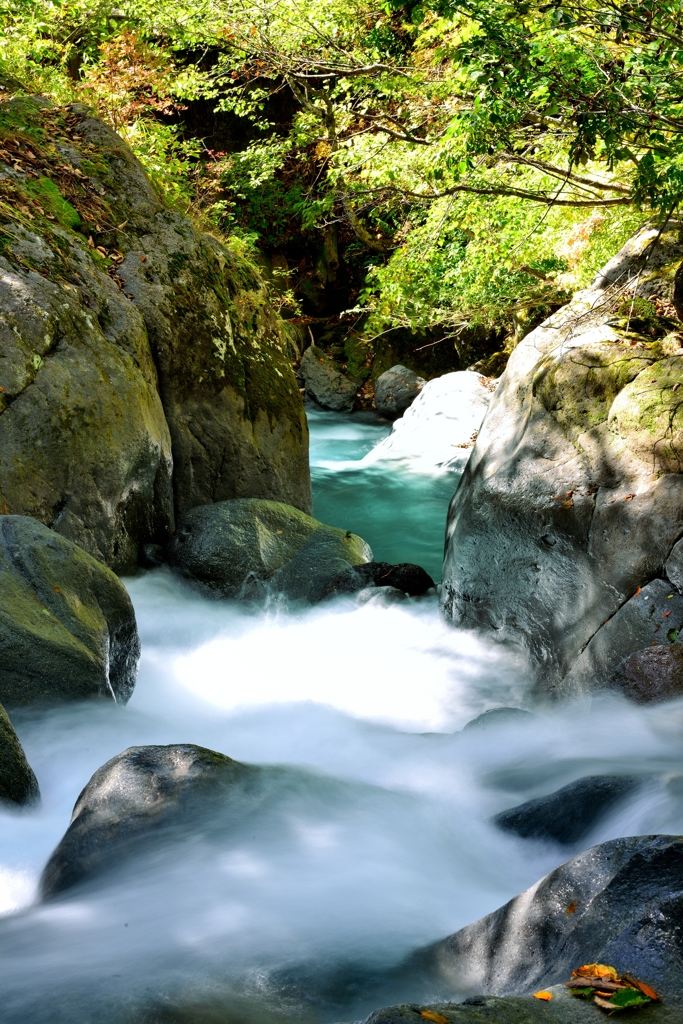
(135, 798)
(573, 496)
(238, 544)
(325, 383)
(144, 370)
(67, 625)
(619, 903)
(18, 784)
(396, 389)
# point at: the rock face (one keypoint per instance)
(67, 625)
(568, 815)
(223, 547)
(573, 496)
(440, 427)
(325, 383)
(144, 371)
(652, 675)
(619, 903)
(132, 798)
(18, 784)
(396, 390)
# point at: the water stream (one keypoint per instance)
(372, 837)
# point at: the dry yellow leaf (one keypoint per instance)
(545, 996)
(438, 1018)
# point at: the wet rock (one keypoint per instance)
(18, 784)
(396, 389)
(499, 716)
(573, 495)
(674, 565)
(563, 1009)
(652, 675)
(619, 903)
(132, 353)
(568, 815)
(224, 547)
(135, 797)
(405, 576)
(440, 427)
(325, 383)
(652, 616)
(67, 625)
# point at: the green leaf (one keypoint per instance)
(626, 997)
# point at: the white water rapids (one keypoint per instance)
(374, 839)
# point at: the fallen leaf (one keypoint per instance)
(569, 503)
(57, 590)
(438, 1018)
(645, 989)
(629, 497)
(628, 997)
(637, 591)
(545, 996)
(664, 614)
(595, 971)
(571, 909)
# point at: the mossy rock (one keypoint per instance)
(67, 625)
(232, 545)
(18, 784)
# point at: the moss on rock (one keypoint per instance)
(18, 784)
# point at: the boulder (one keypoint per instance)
(499, 716)
(619, 903)
(67, 625)
(405, 577)
(224, 547)
(652, 675)
(573, 496)
(135, 798)
(674, 566)
(18, 784)
(568, 815)
(563, 1009)
(326, 384)
(380, 597)
(440, 427)
(653, 616)
(135, 347)
(396, 389)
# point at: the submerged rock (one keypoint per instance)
(132, 799)
(499, 716)
(651, 675)
(325, 383)
(396, 390)
(380, 597)
(135, 347)
(18, 784)
(224, 547)
(619, 903)
(568, 815)
(406, 577)
(573, 496)
(67, 625)
(440, 427)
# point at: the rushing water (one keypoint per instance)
(372, 838)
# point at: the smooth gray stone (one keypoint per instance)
(396, 390)
(325, 383)
(568, 815)
(18, 784)
(674, 565)
(499, 716)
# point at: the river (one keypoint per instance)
(373, 839)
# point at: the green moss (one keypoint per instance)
(17, 782)
(45, 191)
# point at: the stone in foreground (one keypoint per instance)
(132, 798)
(325, 383)
(233, 547)
(18, 784)
(568, 815)
(396, 390)
(67, 625)
(406, 577)
(652, 675)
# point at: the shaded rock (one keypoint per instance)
(222, 547)
(405, 576)
(133, 798)
(652, 616)
(440, 427)
(396, 389)
(674, 565)
(18, 784)
(619, 903)
(67, 625)
(651, 675)
(325, 383)
(568, 815)
(156, 353)
(491, 366)
(573, 496)
(563, 1009)
(499, 716)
